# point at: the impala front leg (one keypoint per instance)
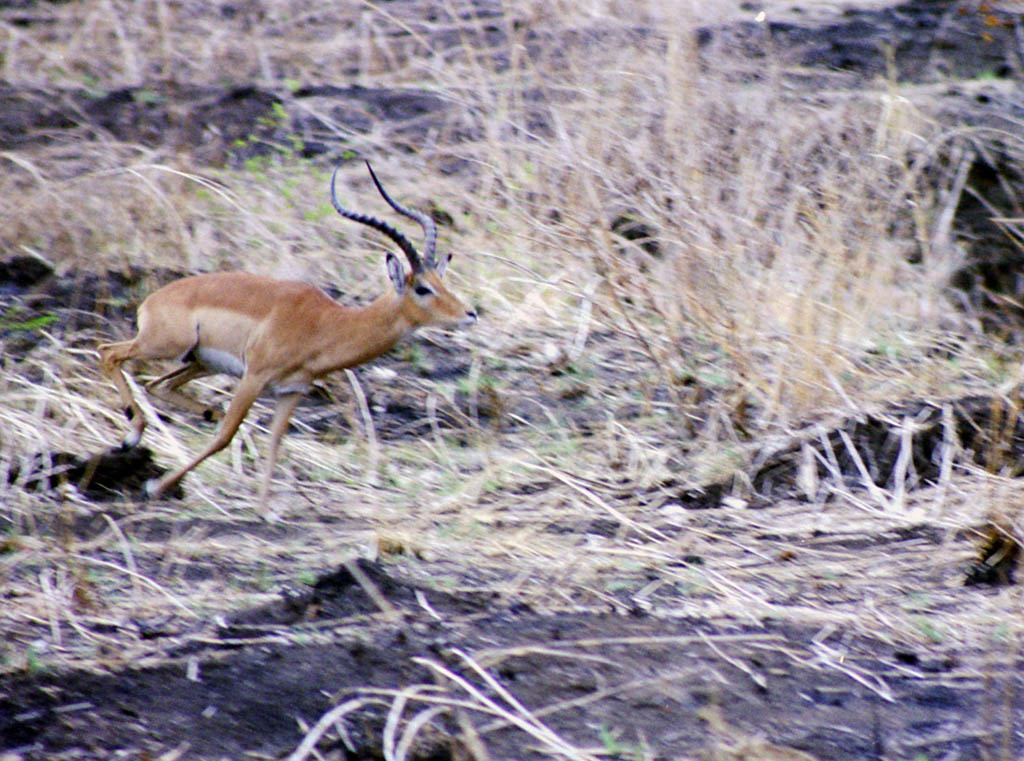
(278, 426)
(248, 389)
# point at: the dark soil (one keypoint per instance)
(242, 689)
(904, 446)
(106, 475)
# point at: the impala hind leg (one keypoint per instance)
(248, 389)
(278, 426)
(166, 387)
(112, 356)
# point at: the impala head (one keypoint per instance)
(424, 298)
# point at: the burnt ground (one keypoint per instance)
(631, 683)
(833, 659)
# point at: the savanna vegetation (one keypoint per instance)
(693, 252)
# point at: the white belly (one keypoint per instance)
(220, 361)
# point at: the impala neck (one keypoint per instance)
(364, 333)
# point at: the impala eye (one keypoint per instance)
(423, 290)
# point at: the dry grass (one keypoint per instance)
(781, 292)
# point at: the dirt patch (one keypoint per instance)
(636, 683)
(924, 40)
(218, 125)
(114, 474)
(905, 447)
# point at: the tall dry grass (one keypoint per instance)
(782, 272)
(788, 269)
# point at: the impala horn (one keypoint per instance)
(403, 243)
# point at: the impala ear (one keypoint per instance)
(440, 268)
(397, 273)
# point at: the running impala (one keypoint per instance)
(276, 335)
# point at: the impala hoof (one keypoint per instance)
(213, 414)
(132, 440)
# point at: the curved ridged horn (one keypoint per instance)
(403, 243)
(425, 220)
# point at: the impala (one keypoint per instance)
(276, 335)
